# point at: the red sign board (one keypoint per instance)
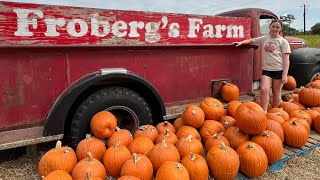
(47, 25)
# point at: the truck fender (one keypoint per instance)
(55, 120)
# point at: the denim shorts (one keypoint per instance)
(273, 74)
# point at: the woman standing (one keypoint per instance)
(275, 62)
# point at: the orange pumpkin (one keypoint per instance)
(212, 108)
(232, 107)
(227, 121)
(58, 175)
(251, 118)
(301, 114)
(103, 124)
(303, 122)
(253, 159)
(193, 116)
(173, 171)
(139, 166)
(178, 123)
(282, 112)
(169, 136)
(235, 136)
(209, 128)
(148, 131)
(310, 97)
(223, 162)
(289, 106)
(114, 158)
(188, 130)
(128, 178)
(141, 145)
(186, 145)
(58, 158)
(196, 166)
(163, 126)
(93, 145)
(96, 168)
(313, 85)
(120, 135)
(275, 127)
(229, 92)
(291, 95)
(215, 140)
(295, 134)
(316, 124)
(291, 84)
(276, 117)
(89, 177)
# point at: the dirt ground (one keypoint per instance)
(301, 167)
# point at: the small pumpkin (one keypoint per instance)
(216, 140)
(291, 83)
(172, 170)
(282, 112)
(289, 106)
(148, 131)
(139, 166)
(301, 114)
(295, 134)
(232, 107)
(58, 158)
(89, 176)
(120, 135)
(141, 145)
(212, 108)
(186, 145)
(227, 121)
(193, 116)
(235, 136)
(57, 175)
(196, 166)
(90, 144)
(163, 126)
(276, 117)
(209, 128)
(96, 168)
(229, 92)
(275, 127)
(128, 178)
(169, 136)
(178, 123)
(103, 124)
(188, 130)
(310, 97)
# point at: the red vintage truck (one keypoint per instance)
(60, 65)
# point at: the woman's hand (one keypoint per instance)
(237, 44)
(284, 79)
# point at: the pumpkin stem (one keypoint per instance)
(43, 178)
(142, 128)
(118, 129)
(117, 145)
(224, 82)
(278, 113)
(193, 111)
(192, 156)
(163, 143)
(265, 134)
(178, 166)
(166, 123)
(290, 101)
(251, 146)
(88, 175)
(90, 157)
(226, 122)
(294, 123)
(189, 138)
(135, 157)
(58, 145)
(88, 137)
(216, 136)
(167, 132)
(224, 147)
(153, 129)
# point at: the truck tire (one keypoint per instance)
(313, 73)
(130, 109)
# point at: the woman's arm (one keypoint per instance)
(286, 63)
(247, 41)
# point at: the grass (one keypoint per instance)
(312, 40)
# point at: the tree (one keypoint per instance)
(315, 29)
(288, 18)
(288, 31)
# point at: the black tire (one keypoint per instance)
(314, 71)
(130, 109)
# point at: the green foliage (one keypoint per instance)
(288, 31)
(312, 40)
(315, 29)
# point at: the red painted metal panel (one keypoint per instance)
(29, 84)
(46, 25)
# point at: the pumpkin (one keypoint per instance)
(282, 112)
(209, 128)
(178, 123)
(173, 171)
(271, 144)
(141, 145)
(316, 124)
(58, 175)
(91, 164)
(235, 136)
(229, 92)
(312, 112)
(301, 114)
(291, 95)
(120, 135)
(163, 126)
(193, 116)
(298, 90)
(188, 130)
(313, 85)
(227, 121)
(197, 166)
(148, 131)
(103, 124)
(128, 178)
(309, 97)
(212, 108)
(253, 159)
(295, 134)
(223, 162)
(168, 153)
(232, 107)
(90, 144)
(169, 136)
(114, 158)
(215, 140)
(258, 101)
(89, 176)
(276, 117)
(301, 106)
(316, 108)
(275, 127)
(291, 84)
(303, 122)
(186, 145)
(289, 106)
(251, 118)
(58, 158)
(139, 166)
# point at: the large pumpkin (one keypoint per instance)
(295, 134)
(251, 118)
(59, 158)
(310, 97)
(103, 124)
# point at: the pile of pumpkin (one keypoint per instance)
(207, 138)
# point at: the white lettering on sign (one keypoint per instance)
(98, 26)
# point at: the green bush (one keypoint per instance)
(312, 40)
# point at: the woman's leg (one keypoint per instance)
(276, 92)
(265, 88)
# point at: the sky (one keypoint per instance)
(203, 7)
